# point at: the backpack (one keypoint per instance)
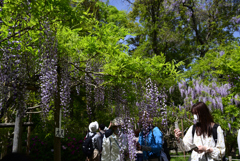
(102, 136)
(87, 146)
(214, 133)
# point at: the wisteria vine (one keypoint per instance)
(211, 93)
(48, 65)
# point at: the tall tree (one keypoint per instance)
(183, 30)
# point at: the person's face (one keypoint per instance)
(195, 116)
(116, 129)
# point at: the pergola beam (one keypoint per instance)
(30, 108)
(2, 125)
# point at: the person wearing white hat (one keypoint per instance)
(93, 126)
(114, 143)
(96, 141)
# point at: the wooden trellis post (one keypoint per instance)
(17, 139)
(18, 126)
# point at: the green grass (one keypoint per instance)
(179, 159)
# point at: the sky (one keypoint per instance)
(120, 4)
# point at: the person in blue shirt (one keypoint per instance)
(150, 142)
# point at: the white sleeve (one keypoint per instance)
(186, 144)
(238, 140)
(219, 149)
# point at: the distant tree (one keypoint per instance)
(182, 30)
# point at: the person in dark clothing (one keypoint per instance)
(139, 156)
(104, 131)
(150, 139)
(101, 127)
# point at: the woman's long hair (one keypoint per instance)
(205, 119)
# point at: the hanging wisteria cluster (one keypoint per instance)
(10, 69)
(99, 92)
(131, 144)
(211, 93)
(128, 131)
(153, 102)
(118, 99)
(236, 100)
(65, 88)
(95, 92)
(48, 65)
(88, 81)
(12, 66)
(122, 111)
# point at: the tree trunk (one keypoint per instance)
(57, 102)
(17, 140)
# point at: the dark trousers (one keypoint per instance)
(139, 157)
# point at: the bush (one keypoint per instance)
(42, 148)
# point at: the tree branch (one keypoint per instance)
(194, 23)
(16, 34)
(34, 112)
(30, 108)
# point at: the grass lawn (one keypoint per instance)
(179, 159)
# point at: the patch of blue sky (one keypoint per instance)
(120, 4)
(237, 34)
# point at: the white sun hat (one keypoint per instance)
(93, 126)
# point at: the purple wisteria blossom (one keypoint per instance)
(13, 70)
(65, 88)
(221, 53)
(48, 78)
(236, 20)
(236, 100)
(211, 93)
(229, 126)
(88, 89)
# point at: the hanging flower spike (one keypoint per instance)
(229, 126)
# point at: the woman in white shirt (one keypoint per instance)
(207, 149)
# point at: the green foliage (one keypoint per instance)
(89, 33)
(181, 30)
(223, 68)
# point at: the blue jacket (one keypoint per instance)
(155, 144)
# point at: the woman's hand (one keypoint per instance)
(202, 149)
(138, 146)
(177, 133)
